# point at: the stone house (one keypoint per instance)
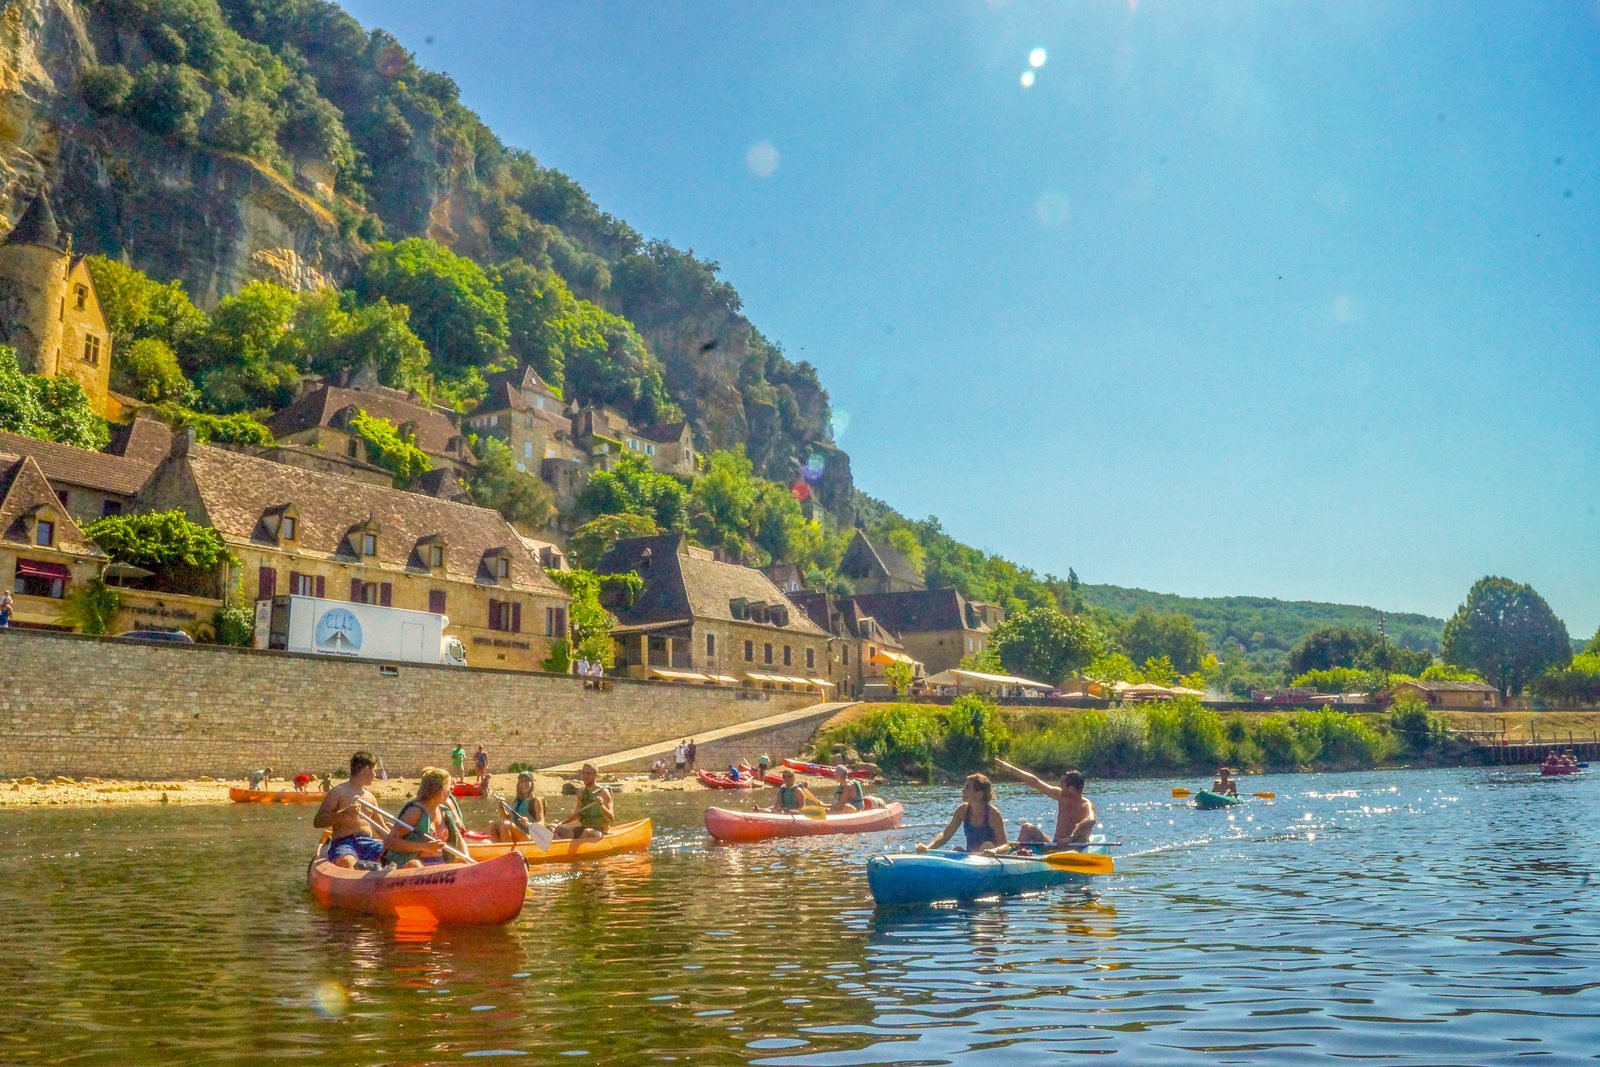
(937, 626)
(301, 531)
(668, 445)
(862, 648)
(320, 417)
(698, 619)
(877, 568)
(1468, 695)
(48, 308)
(524, 413)
(43, 551)
(91, 485)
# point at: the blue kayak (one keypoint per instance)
(930, 877)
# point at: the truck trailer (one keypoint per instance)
(362, 631)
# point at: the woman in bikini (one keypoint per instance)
(976, 814)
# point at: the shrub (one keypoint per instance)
(1280, 746)
(234, 623)
(973, 734)
(91, 606)
(106, 88)
(1417, 731)
(1337, 741)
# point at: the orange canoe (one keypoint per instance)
(623, 837)
(450, 894)
(274, 796)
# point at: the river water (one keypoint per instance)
(1423, 917)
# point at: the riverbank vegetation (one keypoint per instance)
(1182, 736)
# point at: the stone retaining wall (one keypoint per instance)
(75, 705)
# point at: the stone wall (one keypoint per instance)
(78, 706)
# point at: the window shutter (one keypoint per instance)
(268, 583)
(322, 586)
(386, 594)
(355, 590)
(494, 614)
(516, 618)
(436, 601)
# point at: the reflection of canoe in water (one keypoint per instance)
(931, 877)
(725, 825)
(274, 796)
(623, 837)
(1205, 798)
(457, 894)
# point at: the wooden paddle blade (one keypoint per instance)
(814, 811)
(1180, 792)
(1267, 796)
(1082, 862)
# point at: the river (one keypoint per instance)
(1403, 916)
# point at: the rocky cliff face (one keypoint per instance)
(216, 219)
(212, 219)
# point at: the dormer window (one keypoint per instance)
(44, 533)
(502, 567)
(435, 557)
(369, 544)
(286, 530)
(739, 609)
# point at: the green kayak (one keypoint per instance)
(1205, 798)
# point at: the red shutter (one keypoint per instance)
(494, 614)
(268, 583)
(386, 594)
(322, 586)
(436, 601)
(516, 618)
(355, 590)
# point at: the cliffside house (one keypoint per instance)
(936, 626)
(301, 531)
(524, 413)
(320, 417)
(1466, 695)
(48, 308)
(91, 485)
(876, 568)
(862, 648)
(43, 552)
(604, 434)
(786, 576)
(704, 621)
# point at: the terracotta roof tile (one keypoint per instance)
(24, 489)
(436, 433)
(67, 465)
(677, 585)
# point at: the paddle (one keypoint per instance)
(537, 832)
(1082, 862)
(1186, 793)
(396, 822)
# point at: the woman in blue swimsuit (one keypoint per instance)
(976, 814)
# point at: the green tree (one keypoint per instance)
(136, 306)
(395, 452)
(536, 300)
(91, 606)
(898, 675)
(250, 357)
(903, 540)
(1576, 683)
(606, 362)
(632, 487)
(590, 542)
(1045, 645)
(337, 334)
(1506, 632)
(455, 308)
(1329, 646)
(148, 370)
(590, 623)
(237, 429)
(169, 101)
(1594, 643)
(518, 495)
(50, 409)
(156, 540)
(1149, 635)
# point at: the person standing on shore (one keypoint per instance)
(680, 756)
(458, 762)
(480, 759)
(260, 778)
(7, 605)
(341, 815)
(690, 754)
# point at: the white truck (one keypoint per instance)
(363, 631)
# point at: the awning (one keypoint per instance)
(677, 676)
(956, 676)
(884, 656)
(770, 679)
(723, 679)
(33, 568)
(125, 570)
(820, 682)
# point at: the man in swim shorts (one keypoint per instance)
(341, 814)
(1075, 817)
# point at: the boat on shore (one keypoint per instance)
(274, 796)
(623, 837)
(714, 780)
(727, 825)
(468, 789)
(490, 893)
(822, 770)
(911, 878)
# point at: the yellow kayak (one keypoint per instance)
(623, 837)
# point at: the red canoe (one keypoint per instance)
(449, 894)
(712, 780)
(1550, 770)
(466, 789)
(820, 769)
(725, 825)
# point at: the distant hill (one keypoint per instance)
(1263, 625)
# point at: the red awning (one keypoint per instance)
(32, 568)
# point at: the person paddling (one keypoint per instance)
(976, 814)
(524, 810)
(1075, 816)
(593, 813)
(848, 794)
(1225, 784)
(341, 815)
(791, 797)
(409, 842)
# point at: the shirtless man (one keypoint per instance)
(1075, 816)
(1225, 783)
(340, 813)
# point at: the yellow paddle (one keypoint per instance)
(1186, 793)
(1082, 862)
(814, 811)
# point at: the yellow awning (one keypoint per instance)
(820, 682)
(723, 679)
(771, 679)
(885, 656)
(677, 676)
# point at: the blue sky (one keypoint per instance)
(1295, 300)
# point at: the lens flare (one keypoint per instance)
(1053, 209)
(1037, 57)
(1026, 79)
(840, 423)
(801, 491)
(814, 467)
(330, 999)
(762, 159)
